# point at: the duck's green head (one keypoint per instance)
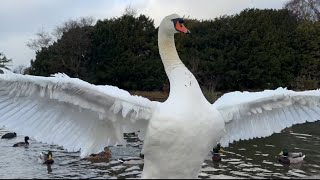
(284, 152)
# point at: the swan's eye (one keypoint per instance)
(180, 20)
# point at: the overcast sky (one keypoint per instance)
(21, 19)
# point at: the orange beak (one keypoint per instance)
(181, 28)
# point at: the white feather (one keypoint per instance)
(5, 71)
(70, 112)
(260, 114)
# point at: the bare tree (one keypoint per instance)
(19, 69)
(42, 39)
(130, 11)
(72, 24)
(305, 9)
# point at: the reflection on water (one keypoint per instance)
(256, 158)
(49, 168)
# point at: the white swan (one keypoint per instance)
(179, 132)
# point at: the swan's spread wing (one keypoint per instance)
(260, 114)
(5, 71)
(70, 112)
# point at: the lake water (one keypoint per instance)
(255, 158)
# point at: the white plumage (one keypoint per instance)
(179, 132)
(44, 107)
(260, 114)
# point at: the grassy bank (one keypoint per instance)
(152, 95)
(161, 96)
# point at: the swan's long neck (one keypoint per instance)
(183, 84)
(168, 52)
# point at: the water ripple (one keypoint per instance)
(256, 159)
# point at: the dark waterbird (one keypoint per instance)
(25, 143)
(216, 153)
(9, 135)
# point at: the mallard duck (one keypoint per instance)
(25, 143)
(46, 158)
(290, 158)
(87, 117)
(216, 153)
(9, 135)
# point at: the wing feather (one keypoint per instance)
(259, 114)
(70, 112)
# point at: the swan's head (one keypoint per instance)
(173, 24)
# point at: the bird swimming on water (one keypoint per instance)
(25, 143)
(46, 158)
(287, 157)
(178, 133)
(216, 153)
(9, 135)
(100, 157)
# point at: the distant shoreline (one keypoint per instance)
(152, 95)
(163, 95)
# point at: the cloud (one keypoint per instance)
(13, 46)
(204, 9)
(21, 19)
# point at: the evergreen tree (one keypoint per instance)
(4, 61)
(253, 50)
(125, 54)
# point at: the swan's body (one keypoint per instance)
(164, 137)
(179, 132)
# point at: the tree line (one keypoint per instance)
(4, 61)
(253, 50)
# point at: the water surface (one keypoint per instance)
(255, 158)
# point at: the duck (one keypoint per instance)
(46, 158)
(9, 135)
(216, 153)
(290, 158)
(177, 134)
(141, 155)
(102, 156)
(20, 144)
